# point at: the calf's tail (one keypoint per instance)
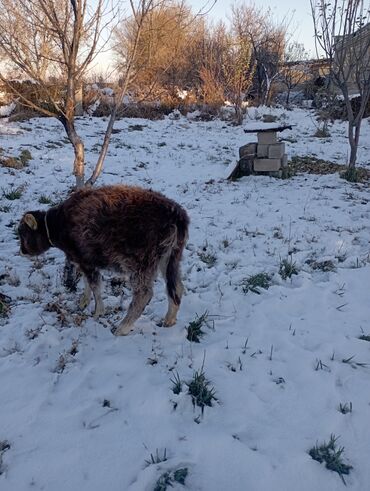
(173, 279)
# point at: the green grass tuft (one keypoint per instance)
(351, 175)
(167, 479)
(4, 445)
(25, 156)
(201, 392)
(332, 456)
(136, 127)
(208, 258)
(177, 384)
(3, 309)
(13, 193)
(255, 282)
(194, 329)
(163, 482)
(325, 266)
(180, 475)
(157, 458)
(287, 268)
(4, 305)
(345, 408)
(45, 200)
(364, 337)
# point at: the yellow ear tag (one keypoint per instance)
(30, 220)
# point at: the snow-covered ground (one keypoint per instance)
(83, 410)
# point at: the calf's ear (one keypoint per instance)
(30, 220)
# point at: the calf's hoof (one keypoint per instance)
(99, 311)
(121, 330)
(83, 302)
(168, 322)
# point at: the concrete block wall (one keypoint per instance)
(266, 155)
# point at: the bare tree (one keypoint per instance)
(342, 32)
(51, 41)
(228, 67)
(293, 69)
(267, 38)
(48, 41)
(241, 65)
(214, 59)
(167, 53)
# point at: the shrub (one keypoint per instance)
(352, 174)
(322, 132)
(25, 156)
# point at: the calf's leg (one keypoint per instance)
(92, 280)
(174, 290)
(85, 297)
(142, 294)
(171, 315)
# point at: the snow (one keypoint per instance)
(262, 126)
(89, 420)
(107, 91)
(7, 109)
(182, 94)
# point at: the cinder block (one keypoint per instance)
(276, 151)
(248, 149)
(266, 165)
(284, 160)
(267, 137)
(246, 166)
(262, 151)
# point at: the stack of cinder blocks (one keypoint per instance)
(267, 156)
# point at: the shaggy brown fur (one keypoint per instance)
(129, 229)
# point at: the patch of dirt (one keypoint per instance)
(312, 165)
(11, 163)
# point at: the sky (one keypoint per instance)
(301, 27)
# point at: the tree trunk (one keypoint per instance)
(288, 97)
(79, 151)
(70, 273)
(354, 137)
(104, 149)
(267, 88)
(238, 112)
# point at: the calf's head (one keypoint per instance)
(32, 233)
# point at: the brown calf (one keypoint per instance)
(128, 229)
